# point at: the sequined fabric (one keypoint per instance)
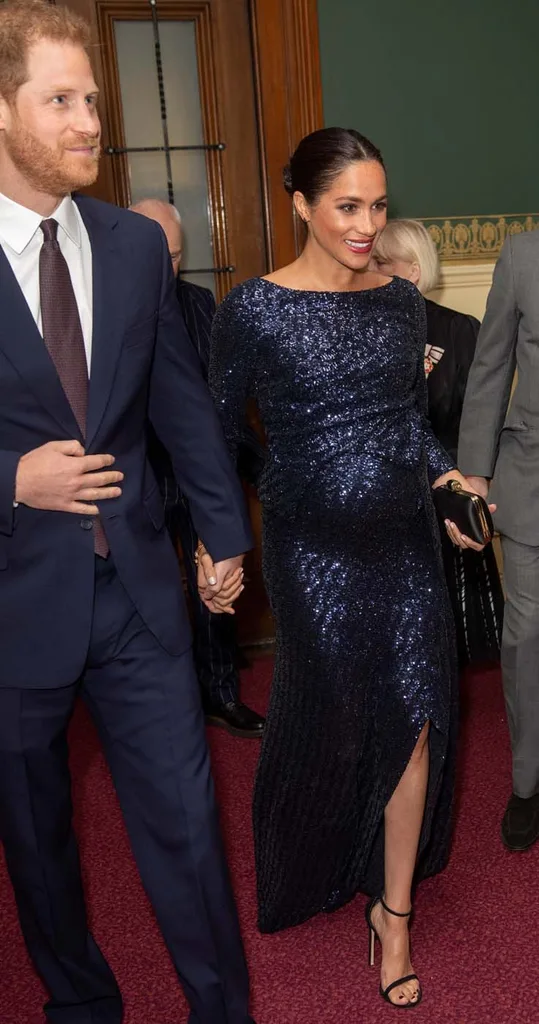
(364, 645)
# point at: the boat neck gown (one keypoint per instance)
(351, 560)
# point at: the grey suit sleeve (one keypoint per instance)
(491, 375)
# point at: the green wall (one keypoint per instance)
(449, 91)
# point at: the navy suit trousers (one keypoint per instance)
(146, 706)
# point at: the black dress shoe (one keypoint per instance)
(520, 825)
(237, 719)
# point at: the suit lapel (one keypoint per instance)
(108, 280)
(23, 345)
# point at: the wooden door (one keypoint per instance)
(202, 103)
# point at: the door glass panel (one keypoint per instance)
(138, 83)
(147, 176)
(139, 88)
(191, 193)
(180, 78)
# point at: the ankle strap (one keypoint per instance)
(394, 912)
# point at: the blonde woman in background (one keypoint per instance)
(405, 249)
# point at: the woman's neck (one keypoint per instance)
(316, 270)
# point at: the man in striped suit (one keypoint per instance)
(215, 644)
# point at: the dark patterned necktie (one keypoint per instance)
(62, 334)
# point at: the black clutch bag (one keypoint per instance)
(469, 512)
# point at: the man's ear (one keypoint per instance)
(302, 207)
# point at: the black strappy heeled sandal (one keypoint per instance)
(373, 936)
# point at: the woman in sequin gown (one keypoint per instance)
(363, 696)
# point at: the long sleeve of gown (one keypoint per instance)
(230, 370)
(438, 460)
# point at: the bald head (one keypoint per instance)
(168, 217)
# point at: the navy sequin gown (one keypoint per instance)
(364, 642)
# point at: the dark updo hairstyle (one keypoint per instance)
(322, 156)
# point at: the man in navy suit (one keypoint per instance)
(91, 339)
(215, 641)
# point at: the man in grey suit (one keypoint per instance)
(499, 453)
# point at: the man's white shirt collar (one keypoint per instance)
(18, 224)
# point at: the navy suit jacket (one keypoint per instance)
(143, 364)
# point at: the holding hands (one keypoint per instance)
(219, 583)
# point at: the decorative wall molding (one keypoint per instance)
(473, 238)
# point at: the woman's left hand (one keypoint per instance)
(460, 539)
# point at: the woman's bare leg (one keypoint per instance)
(403, 820)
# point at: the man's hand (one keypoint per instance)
(59, 477)
(219, 583)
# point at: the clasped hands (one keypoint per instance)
(474, 485)
(219, 583)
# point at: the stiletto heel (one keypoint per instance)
(372, 944)
(373, 935)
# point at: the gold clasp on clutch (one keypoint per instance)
(455, 485)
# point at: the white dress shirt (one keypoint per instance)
(21, 239)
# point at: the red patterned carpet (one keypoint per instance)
(476, 933)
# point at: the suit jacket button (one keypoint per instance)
(86, 524)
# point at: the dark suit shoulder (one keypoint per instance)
(107, 211)
(443, 320)
(109, 214)
(195, 291)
